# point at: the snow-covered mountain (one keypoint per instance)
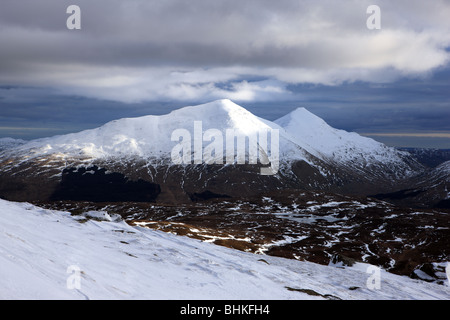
(340, 146)
(9, 143)
(150, 136)
(312, 155)
(71, 257)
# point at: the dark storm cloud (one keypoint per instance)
(323, 42)
(403, 106)
(139, 56)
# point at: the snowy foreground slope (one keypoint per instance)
(41, 252)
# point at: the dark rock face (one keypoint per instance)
(340, 260)
(207, 195)
(443, 204)
(431, 272)
(53, 177)
(96, 185)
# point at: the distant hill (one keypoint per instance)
(429, 157)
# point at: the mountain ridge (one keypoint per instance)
(140, 148)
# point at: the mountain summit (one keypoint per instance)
(150, 136)
(312, 156)
(328, 143)
(147, 136)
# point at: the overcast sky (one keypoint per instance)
(139, 57)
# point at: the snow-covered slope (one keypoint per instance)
(444, 168)
(302, 134)
(150, 136)
(9, 143)
(42, 253)
(340, 146)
